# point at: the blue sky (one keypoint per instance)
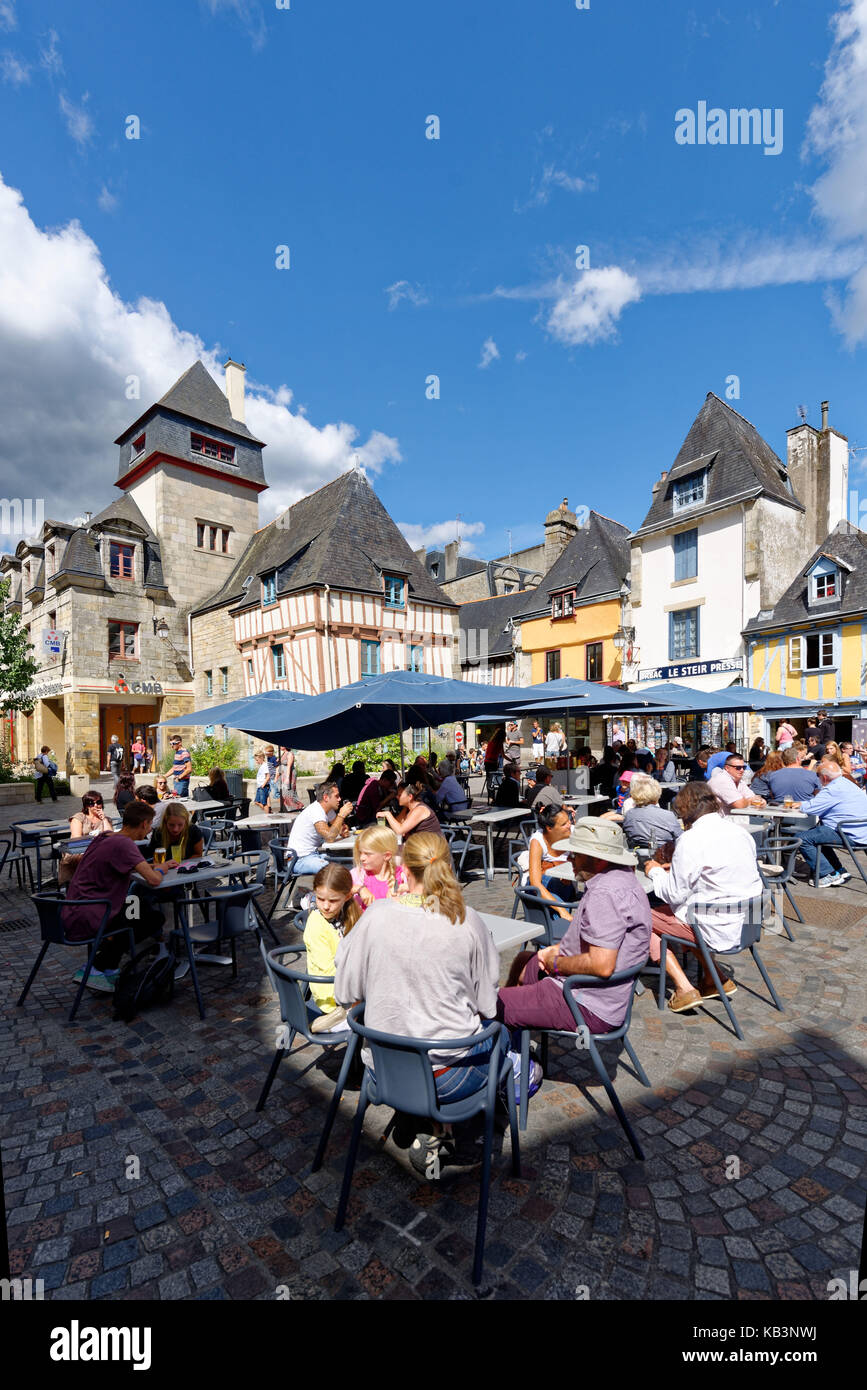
(306, 127)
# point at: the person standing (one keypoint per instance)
(46, 771)
(538, 742)
(263, 781)
(514, 743)
(786, 735)
(115, 757)
(137, 749)
(827, 732)
(182, 767)
(555, 743)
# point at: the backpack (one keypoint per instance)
(147, 979)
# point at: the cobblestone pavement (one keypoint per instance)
(137, 1167)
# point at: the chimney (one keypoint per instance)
(824, 415)
(235, 372)
(451, 552)
(560, 526)
(818, 467)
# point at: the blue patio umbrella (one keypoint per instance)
(672, 697)
(253, 714)
(591, 697)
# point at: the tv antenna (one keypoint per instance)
(802, 411)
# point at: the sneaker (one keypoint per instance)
(102, 980)
(536, 1076)
(829, 881)
(843, 877)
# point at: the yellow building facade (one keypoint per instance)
(579, 645)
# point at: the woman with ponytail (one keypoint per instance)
(426, 966)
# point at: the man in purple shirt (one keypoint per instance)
(609, 931)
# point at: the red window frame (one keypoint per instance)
(212, 448)
(124, 555)
(123, 626)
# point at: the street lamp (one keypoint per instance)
(161, 629)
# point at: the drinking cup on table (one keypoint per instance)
(159, 856)
(788, 802)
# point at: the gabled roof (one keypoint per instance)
(340, 535)
(850, 546)
(196, 396)
(594, 564)
(466, 565)
(490, 616)
(122, 509)
(740, 464)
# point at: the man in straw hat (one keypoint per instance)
(609, 931)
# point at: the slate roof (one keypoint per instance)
(594, 564)
(80, 556)
(739, 462)
(340, 535)
(122, 509)
(466, 565)
(196, 396)
(491, 616)
(845, 543)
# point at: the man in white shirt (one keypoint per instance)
(319, 823)
(839, 802)
(725, 782)
(714, 862)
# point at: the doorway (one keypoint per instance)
(125, 721)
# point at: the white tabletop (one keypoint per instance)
(776, 812)
(263, 822)
(510, 813)
(193, 805)
(582, 799)
(219, 868)
(510, 931)
(344, 846)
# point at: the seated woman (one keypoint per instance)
(162, 788)
(853, 763)
(124, 791)
(217, 787)
(354, 781)
(416, 816)
(554, 824)
(377, 873)
(337, 774)
(178, 835)
(714, 861)
(91, 820)
(757, 754)
(334, 916)
(426, 966)
(760, 786)
(645, 824)
(666, 768)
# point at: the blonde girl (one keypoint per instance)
(177, 835)
(162, 788)
(377, 873)
(334, 916)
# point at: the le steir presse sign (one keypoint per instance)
(685, 669)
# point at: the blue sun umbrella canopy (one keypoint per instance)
(670, 697)
(367, 709)
(589, 697)
(254, 714)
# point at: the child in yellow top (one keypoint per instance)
(335, 914)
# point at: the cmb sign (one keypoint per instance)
(52, 642)
(686, 669)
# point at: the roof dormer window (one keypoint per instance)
(825, 585)
(690, 491)
(137, 447)
(562, 605)
(212, 448)
(824, 581)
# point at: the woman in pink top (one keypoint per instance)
(377, 873)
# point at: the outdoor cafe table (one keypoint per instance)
(508, 932)
(208, 873)
(491, 818)
(581, 799)
(251, 826)
(193, 805)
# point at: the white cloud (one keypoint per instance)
(69, 344)
(837, 133)
(78, 120)
(440, 533)
(587, 310)
(403, 289)
(49, 55)
(107, 201)
(13, 70)
(249, 14)
(552, 177)
(8, 18)
(490, 352)
(520, 355)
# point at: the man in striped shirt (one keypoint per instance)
(182, 767)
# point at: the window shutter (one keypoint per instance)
(671, 637)
(796, 654)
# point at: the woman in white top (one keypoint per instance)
(714, 861)
(555, 742)
(554, 824)
(426, 966)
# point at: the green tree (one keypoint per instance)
(18, 667)
(210, 752)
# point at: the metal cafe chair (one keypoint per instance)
(51, 908)
(402, 1077)
(776, 864)
(590, 1042)
(542, 912)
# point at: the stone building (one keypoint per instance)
(729, 527)
(116, 590)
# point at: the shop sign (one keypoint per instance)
(685, 670)
(124, 687)
(45, 692)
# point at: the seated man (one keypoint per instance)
(542, 792)
(509, 791)
(609, 931)
(105, 871)
(450, 795)
(839, 800)
(698, 766)
(318, 824)
(376, 793)
(792, 779)
(725, 784)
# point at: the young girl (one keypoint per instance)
(138, 752)
(376, 873)
(335, 914)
